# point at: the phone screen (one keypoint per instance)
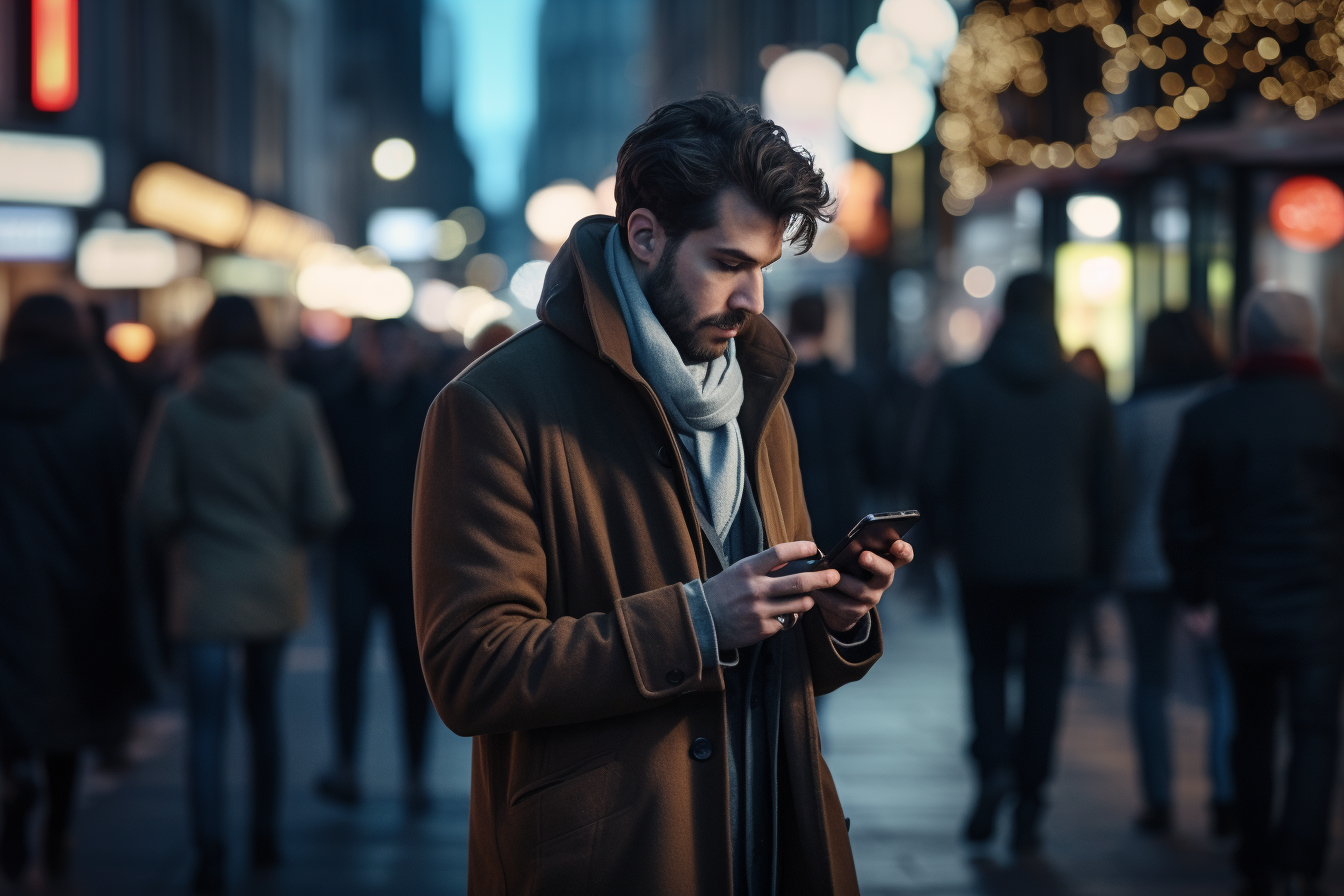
(875, 533)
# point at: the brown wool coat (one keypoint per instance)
(554, 525)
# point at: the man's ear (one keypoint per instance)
(645, 236)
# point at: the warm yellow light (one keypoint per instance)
(553, 211)
(1094, 307)
(179, 200)
(132, 341)
(279, 234)
(394, 158)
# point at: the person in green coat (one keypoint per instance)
(238, 476)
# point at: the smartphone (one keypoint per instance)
(875, 532)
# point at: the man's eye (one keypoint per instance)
(730, 266)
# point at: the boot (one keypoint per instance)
(984, 815)
(209, 877)
(1027, 827)
(19, 799)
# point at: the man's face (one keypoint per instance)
(706, 285)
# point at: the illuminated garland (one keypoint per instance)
(999, 49)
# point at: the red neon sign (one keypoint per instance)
(55, 54)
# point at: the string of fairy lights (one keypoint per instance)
(998, 49)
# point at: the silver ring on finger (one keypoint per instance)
(787, 620)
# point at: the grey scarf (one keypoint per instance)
(701, 400)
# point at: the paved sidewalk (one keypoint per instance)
(895, 743)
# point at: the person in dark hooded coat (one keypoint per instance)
(1018, 480)
(70, 673)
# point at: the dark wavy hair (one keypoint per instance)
(677, 163)
(1177, 352)
(231, 324)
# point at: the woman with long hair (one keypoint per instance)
(1179, 368)
(238, 476)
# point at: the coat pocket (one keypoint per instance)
(570, 798)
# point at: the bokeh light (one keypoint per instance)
(472, 220)
(552, 211)
(133, 342)
(1307, 213)
(447, 239)
(434, 304)
(394, 158)
(978, 281)
(886, 115)
(527, 282)
(1096, 217)
(486, 271)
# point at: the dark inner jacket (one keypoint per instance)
(1253, 512)
(1019, 472)
(68, 659)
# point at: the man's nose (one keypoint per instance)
(749, 294)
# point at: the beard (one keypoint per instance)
(675, 311)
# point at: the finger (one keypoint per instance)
(767, 609)
(855, 588)
(777, 556)
(802, 583)
(838, 602)
(876, 565)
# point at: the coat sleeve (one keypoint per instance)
(1187, 524)
(494, 658)
(320, 501)
(158, 504)
(832, 665)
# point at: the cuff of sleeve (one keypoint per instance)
(703, 622)
(706, 636)
(855, 636)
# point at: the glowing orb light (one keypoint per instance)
(1307, 213)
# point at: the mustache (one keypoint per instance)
(728, 320)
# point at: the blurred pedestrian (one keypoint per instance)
(1018, 480)
(1087, 362)
(832, 418)
(375, 426)
(238, 475)
(599, 504)
(1179, 366)
(1253, 523)
(71, 664)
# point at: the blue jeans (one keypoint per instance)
(208, 683)
(1151, 615)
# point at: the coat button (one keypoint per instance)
(664, 456)
(676, 677)
(701, 749)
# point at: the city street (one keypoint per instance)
(893, 741)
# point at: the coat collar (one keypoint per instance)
(579, 301)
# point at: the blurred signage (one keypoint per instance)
(279, 234)
(55, 75)
(177, 199)
(50, 170)
(36, 233)
(244, 276)
(405, 234)
(126, 259)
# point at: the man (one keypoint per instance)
(1018, 481)
(835, 423)
(375, 425)
(1253, 522)
(598, 505)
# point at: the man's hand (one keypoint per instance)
(744, 600)
(847, 602)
